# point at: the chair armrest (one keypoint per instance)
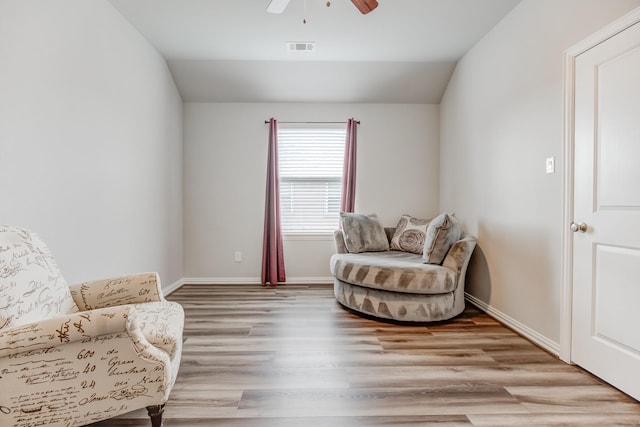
(341, 247)
(132, 289)
(459, 255)
(66, 329)
(85, 360)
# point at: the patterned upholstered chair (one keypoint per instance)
(401, 284)
(73, 355)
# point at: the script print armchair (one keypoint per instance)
(73, 355)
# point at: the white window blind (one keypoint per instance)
(310, 166)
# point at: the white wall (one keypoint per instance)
(501, 116)
(225, 158)
(90, 139)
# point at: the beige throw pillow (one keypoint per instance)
(410, 234)
(442, 232)
(363, 233)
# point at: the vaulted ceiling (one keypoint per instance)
(234, 51)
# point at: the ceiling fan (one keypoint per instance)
(364, 6)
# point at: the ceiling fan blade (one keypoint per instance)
(277, 6)
(365, 6)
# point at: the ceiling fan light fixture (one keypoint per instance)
(365, 6)
(277, 6)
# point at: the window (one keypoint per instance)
(310, 166)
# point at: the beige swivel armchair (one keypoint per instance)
(73, 355)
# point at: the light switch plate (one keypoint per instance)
(551, 164)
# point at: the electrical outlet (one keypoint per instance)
(551, 164)
(238, 256)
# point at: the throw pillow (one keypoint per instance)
(363, 233)
(442, 232)
(410, 234)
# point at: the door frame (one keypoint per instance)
(570, 55)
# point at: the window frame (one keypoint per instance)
(335, 135)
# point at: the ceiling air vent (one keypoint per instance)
(301, 46)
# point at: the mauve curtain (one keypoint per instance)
(272, 249)
(348, 200)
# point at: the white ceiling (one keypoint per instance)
(234, 51)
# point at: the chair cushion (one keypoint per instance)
(393, 271)
(410, 234)
(363, 233)
(31, 286)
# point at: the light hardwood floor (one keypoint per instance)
(291, 356)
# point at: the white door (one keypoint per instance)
(606, 255)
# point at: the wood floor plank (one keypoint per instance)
(376, 358)
(580, 399)
(605, 419)
(323, 421)
(379, 402)
(291, 356)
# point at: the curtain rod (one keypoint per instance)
(268, 121)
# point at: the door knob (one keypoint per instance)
(579, 226)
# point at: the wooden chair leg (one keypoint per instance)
(155, 413)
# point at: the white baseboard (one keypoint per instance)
(537, 338)
(310, 280)
(254, 280)
(167, 290)
(221, 280)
